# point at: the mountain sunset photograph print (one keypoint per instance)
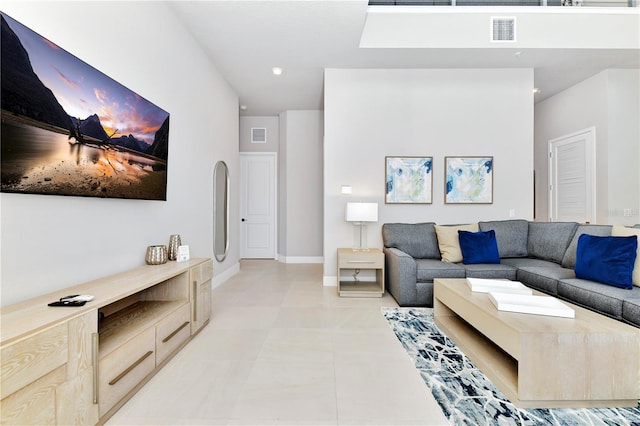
(68, 129)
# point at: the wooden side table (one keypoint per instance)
(360, 273)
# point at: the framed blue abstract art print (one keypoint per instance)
(468, 180)
(409, 180)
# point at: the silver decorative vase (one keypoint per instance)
(174, 243)
(156, 255)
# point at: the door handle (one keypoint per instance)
(243, 219)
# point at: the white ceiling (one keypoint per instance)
(245, 39)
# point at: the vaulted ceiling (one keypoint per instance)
(245, 39)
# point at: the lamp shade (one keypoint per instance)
(361, 212)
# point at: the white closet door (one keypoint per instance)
(258, 205)
(572, 177)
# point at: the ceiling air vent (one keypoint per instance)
(258, 135)
(503, 28)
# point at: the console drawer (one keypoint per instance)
(202, 273)
(27, 360)
(360, 260)
(125, 367)
(172, 331)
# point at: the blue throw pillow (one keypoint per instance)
(608, 260)
(479, 247)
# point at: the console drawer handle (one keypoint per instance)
(195, 301)
(361, 261)
(94, 360)
(131, 367)
(177, 330)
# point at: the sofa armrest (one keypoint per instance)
(401, 276)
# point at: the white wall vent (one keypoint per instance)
(503, 28)
(258, 135)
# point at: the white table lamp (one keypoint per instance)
(360, 214)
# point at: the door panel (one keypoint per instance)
(572, 177)
(258, 205)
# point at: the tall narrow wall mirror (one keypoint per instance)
(220, 211)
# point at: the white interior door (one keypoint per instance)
(572, 177)
(258, 205)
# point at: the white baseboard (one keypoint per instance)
(330, 281)
(225, 275)
(300, 259)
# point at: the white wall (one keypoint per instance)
(370, 114)
(282, 188)
(301, 186)
(272, 124)
(51, 242)
(446, 27)
(297, 138)
(610, 102)
(624, 145)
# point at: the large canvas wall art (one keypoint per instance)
(68, 129)
(409, 180)
(468, 180)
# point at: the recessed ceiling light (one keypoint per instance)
(276, 70)
(243, 107)
(536, 90)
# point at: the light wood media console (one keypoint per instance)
(79, 365)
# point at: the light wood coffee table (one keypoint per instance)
(541, 361)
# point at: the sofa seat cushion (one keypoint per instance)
(522, 262)
(594, 295)
(544, 279)
(418, 240)
(490, 271)
(549, 240)
(569, 259)
(631, 310)
(511, 236)
(428, 269)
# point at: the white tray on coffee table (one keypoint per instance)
(529, 304)
(483, 285)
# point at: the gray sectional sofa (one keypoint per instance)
(541, 255)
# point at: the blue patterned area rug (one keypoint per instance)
(465, 395)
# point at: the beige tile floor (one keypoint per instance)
(282, 349)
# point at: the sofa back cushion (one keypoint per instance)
(418, 240)
(549, 240)
(511, 236)
(569, 259)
